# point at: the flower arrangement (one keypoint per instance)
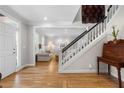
(115, 32)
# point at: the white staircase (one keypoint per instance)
(79, 46)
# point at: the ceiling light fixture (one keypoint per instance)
(45, 18)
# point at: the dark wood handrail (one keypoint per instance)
(84, 33)
(81, 35)
(109, 8)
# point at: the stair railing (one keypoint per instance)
(88, 36)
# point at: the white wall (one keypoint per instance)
(24, 45)
(31, 46)
(78, 16)
(37, 42)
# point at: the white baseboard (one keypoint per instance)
(30, 65)
(86, 70)
(78, 71)
(20, 68)
(115, 75)
(26, 65)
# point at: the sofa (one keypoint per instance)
(43, 56)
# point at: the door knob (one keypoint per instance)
(14, 52)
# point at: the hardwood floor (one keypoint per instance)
(45, 75)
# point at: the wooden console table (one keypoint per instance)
(118, 65)
(113, 54)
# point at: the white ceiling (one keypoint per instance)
(35, 14)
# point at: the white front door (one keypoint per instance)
(7, 49)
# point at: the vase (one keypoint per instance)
(115, 41)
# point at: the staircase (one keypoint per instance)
(80, 44)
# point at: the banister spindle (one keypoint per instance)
(88, 39)
(91, 36)
(95, 32)
(114, 9)
(100, 28)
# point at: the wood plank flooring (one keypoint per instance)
(45, 75)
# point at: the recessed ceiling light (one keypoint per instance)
(45, 18)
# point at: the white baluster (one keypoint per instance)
(92, 34)
(100, 28)
(96, 31)
(82, 42)
(114, 9)
(108, 16)
(111, 11)
(103, 26)
(88, 37)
